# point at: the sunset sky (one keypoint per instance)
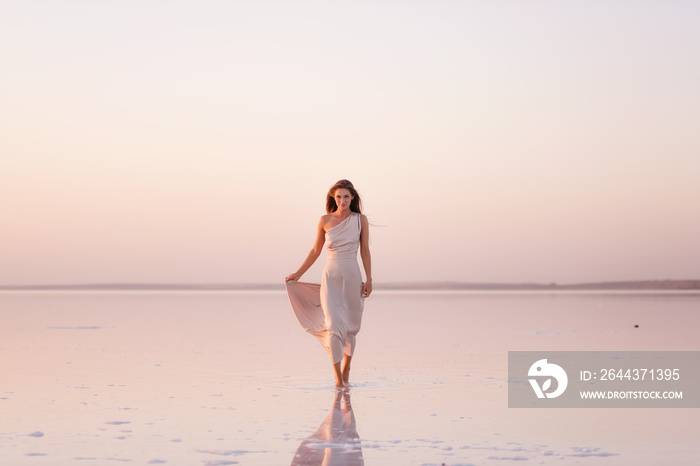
(491, 141)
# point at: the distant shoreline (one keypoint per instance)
(621, 285)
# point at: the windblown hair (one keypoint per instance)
(355, 204)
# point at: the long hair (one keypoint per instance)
(355, 204)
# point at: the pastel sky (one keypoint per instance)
(491, 141)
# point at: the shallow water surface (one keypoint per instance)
(218, 378)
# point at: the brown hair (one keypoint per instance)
(355, 204)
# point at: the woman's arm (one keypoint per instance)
(313, 254)
(366, 257)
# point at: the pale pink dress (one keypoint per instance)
(332, 311)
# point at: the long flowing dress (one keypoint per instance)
(332, 311)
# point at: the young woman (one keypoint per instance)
(332, 311)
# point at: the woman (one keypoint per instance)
(333, 311)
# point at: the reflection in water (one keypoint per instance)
(335, 442)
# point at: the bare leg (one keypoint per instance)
(338, 376)
(346, 369)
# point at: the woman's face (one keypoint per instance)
(342, 198)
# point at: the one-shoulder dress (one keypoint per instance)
(332, 311)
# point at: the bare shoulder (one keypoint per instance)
(325, 221)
